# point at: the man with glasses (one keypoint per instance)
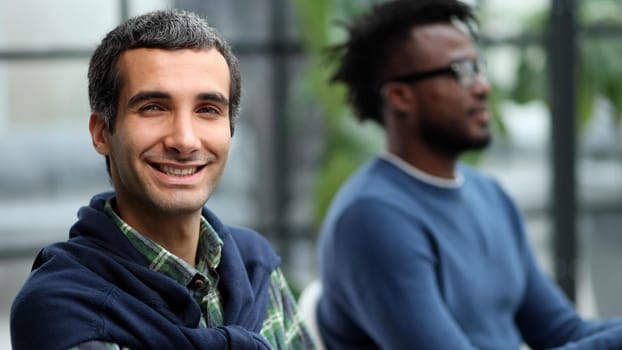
(419, 251)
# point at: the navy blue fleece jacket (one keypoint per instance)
(96, 286)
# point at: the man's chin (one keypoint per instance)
(480, 143)
(179, 203)
(457, 148)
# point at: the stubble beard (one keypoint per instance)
(452, 142)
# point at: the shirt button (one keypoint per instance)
(198, 283)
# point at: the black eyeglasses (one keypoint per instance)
(466, 71)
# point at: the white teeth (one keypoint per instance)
(178, 171)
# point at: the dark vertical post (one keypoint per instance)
(561, 58)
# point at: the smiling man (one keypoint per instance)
(148, 266)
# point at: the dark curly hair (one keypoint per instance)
(372, 36)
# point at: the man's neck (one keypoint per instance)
(179, 234)
(428, 161)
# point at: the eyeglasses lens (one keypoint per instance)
(468, 71)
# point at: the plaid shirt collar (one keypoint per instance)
(161, 260)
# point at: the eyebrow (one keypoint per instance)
(149, 95)
(146, 95)
(215, 97)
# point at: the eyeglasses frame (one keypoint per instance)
(454, 69)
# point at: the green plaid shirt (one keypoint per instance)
(283, 327)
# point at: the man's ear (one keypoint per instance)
(99, 134)
(400, 97)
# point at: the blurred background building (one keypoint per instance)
(554, 65)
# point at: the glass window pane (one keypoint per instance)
(50, 24)
(139, 7)
(235, 19)
(44, 94)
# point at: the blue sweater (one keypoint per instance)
(96, 286)
(410, 265)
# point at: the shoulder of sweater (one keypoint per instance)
(246, 236)
(253, 246)
(472, 174)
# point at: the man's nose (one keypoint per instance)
(481, 85)
(182, 136)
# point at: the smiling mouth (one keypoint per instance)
(177, 171)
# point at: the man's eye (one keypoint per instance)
(209, 109)
(149, 108)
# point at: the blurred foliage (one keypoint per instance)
(346, 145)
(599, 72)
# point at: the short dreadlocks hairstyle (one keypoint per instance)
(361, 59)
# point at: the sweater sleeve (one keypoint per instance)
(547, 319)
(71, 307)
(383, 263)
(607, 339)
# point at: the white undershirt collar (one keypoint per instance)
(421, 175)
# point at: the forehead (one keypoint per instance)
(174, 70)
(438, 44)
